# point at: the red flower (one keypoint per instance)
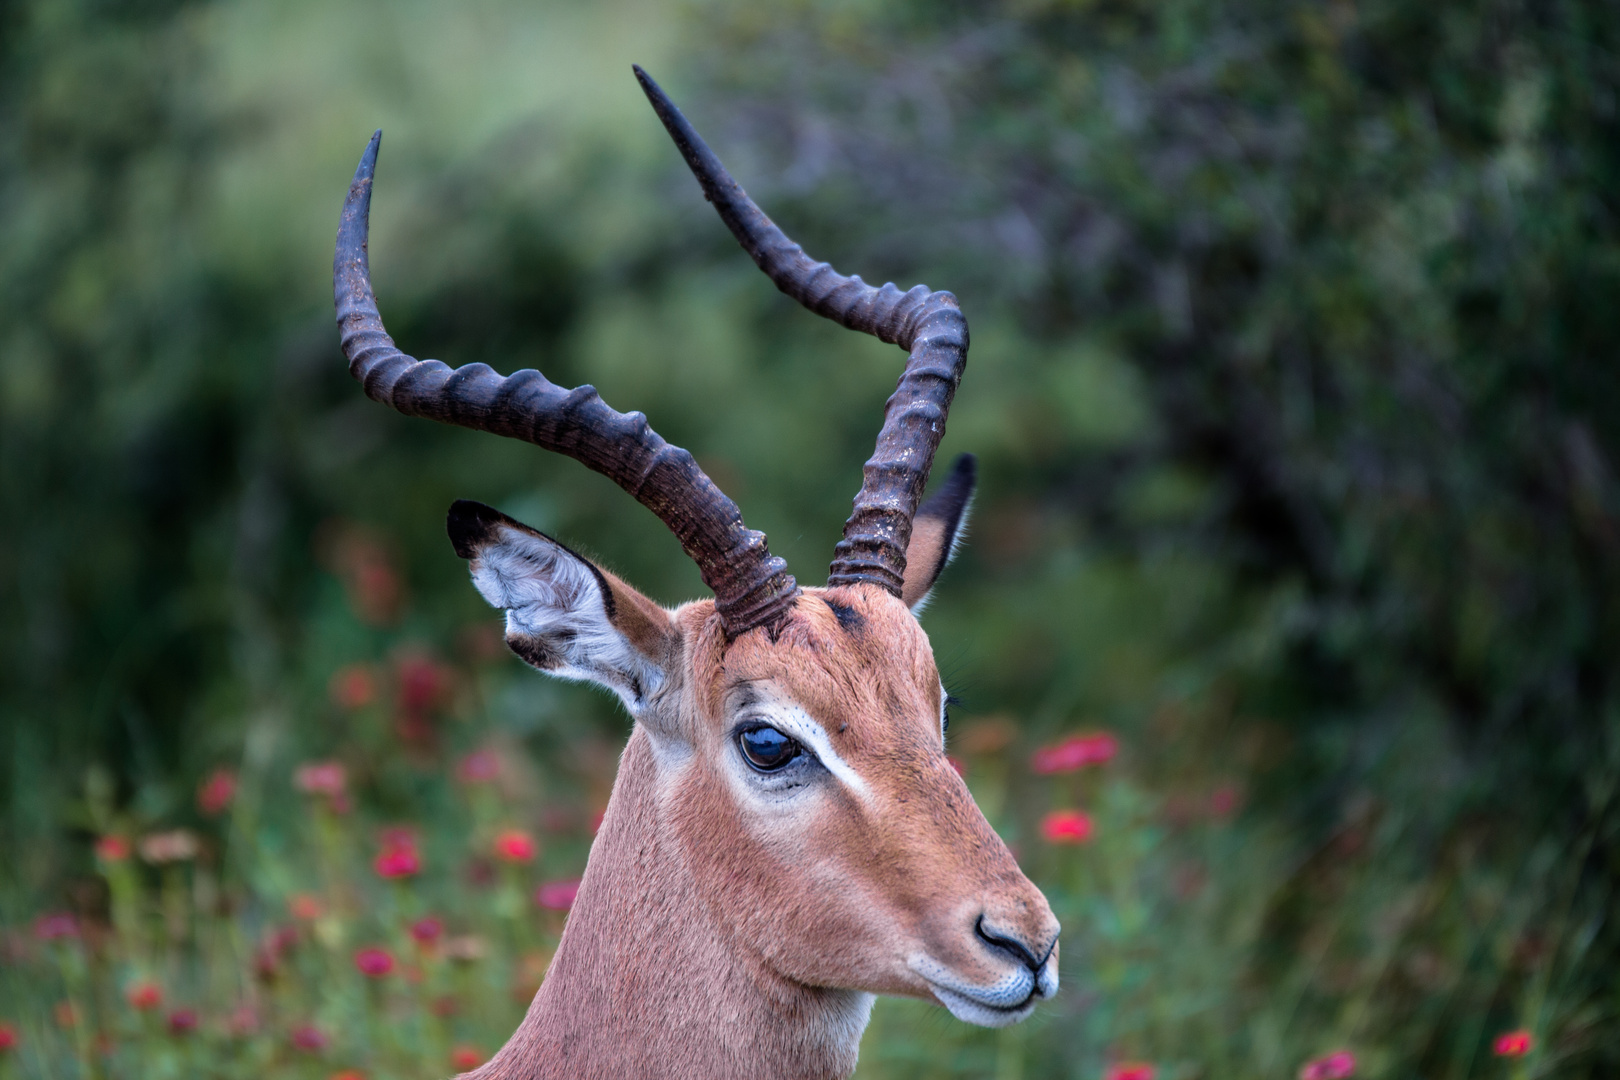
(1066, 827)
(328, 778)
(427, 931)
(1335, 1066)
(216, 792)
(182, 1021)
(55, 926)
(112, 848)
(348, 1074)
(243, 1021)
(1224, 800)
(422, 682)
(8, 1037)
(309, 1039)
(353, 687)
(479, 767)
(1130, 1070)
(304, 907)
(557, 895)
(373, 962)
(398, 863)
(466, 1057)
(144, 995)
(1075, 752)
(1514, 1043)
(515, 846)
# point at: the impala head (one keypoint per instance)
(798, 733)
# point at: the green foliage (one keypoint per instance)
(1291, 384)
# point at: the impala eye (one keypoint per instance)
(767, 749)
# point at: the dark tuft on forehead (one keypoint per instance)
(851, 620)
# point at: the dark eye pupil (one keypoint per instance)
(766, 748)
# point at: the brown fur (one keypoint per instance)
(708, 940)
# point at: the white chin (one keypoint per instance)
(965, 1008)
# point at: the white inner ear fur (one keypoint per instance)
(556, 616)
(957, 539)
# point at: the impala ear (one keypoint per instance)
(936, 530)
(564, 615)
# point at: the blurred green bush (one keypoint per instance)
(1292, 386)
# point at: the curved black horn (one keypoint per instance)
(751, 586)
(928, 325)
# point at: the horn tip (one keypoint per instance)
(369, 158)
(655, 93)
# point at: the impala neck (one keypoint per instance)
(645, 984)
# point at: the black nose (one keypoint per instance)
(1008, 943)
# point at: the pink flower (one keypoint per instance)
(515, 846)
(557, 895)
(112, 848)
(1130, 1070)
(8, 1037)
(466, 1057)
(1066, 827)
(182, 1022)
(1075, 752)
(956, 763)
(309, 1039)
(1335, 1066)
(328, 778)
(144, 995)
(1514, 1043)
(55, 926)
(304, 907)
(216, 792)
(175, 845)
(479, 767)
(398, 863)
(427, 931)
(373, 962)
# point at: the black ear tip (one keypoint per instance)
(964, 475)
(470, 525)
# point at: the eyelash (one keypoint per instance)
(945, 714)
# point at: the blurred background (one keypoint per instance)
(1286, 634)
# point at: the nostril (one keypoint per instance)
(1007, 943)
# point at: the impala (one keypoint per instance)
(785, 838)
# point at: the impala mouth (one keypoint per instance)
(1006, 1001)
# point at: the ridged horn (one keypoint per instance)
(751, 586)
(928, 325)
